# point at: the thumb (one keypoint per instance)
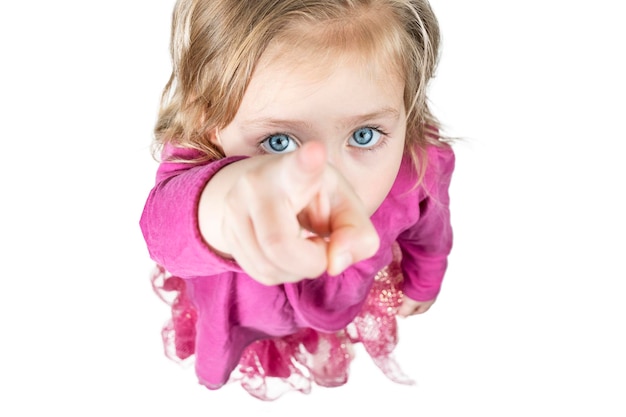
(353, 237)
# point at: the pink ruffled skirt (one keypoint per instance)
(269, 368)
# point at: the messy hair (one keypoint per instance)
(216, 44)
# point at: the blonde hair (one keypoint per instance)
(216, 44)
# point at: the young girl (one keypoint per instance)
(302, 197)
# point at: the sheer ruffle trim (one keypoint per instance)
(271, 367)
(179, 333)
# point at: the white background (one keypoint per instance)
(531, 320)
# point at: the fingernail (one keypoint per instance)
(342, 261)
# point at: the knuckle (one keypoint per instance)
(232, 200)
(244, 187)
(275, 245)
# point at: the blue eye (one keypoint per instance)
(365, 137)
(279, 143)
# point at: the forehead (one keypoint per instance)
(317, 65)
(326, 60)
(372, 42)
(289, 87)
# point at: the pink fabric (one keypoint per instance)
(233, 311)
(268, 368)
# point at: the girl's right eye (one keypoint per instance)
(278, 143)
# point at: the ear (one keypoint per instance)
(214, 138)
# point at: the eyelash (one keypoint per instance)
(381, 143)
(259, 144)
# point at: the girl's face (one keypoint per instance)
(358, 113)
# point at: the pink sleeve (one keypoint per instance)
(426, 246)
(169, 221)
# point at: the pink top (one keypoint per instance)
(234, 310)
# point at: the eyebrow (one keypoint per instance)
(386, 112)
(348, 122)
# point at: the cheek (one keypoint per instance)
(237, 147)
(383, 175)
(375, 185)
(234, 143)
(232, 148)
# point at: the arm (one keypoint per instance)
(252, 209)
(169, 221)
(426, 245)
(255, 211)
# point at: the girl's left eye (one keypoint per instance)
(365, 137)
